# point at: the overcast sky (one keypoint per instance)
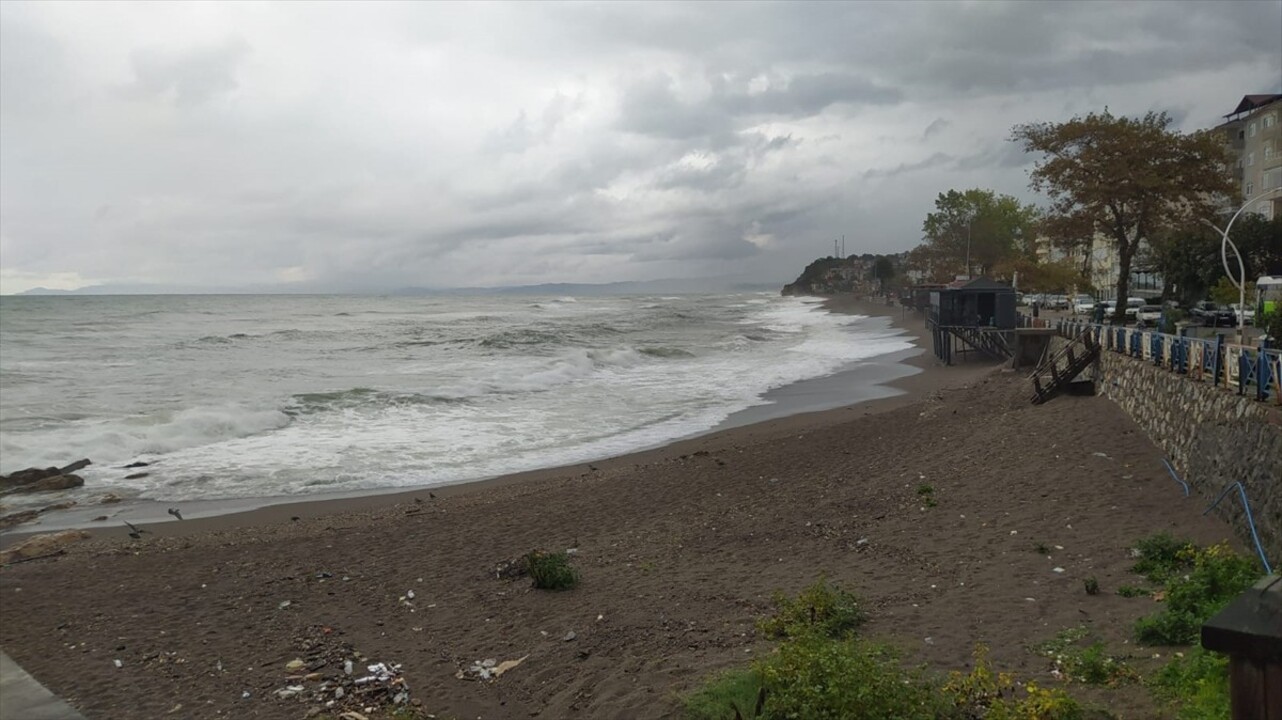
(373, 146)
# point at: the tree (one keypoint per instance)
(979, 226)
(883, 269)
(1126, 179)
(1259, 239)
(1189, 260)
(1226, 293)
(1060, 276)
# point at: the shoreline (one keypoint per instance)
(882, 383)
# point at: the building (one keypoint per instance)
(1254, 133)
(1099, 263)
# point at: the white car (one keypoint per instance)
(1083, 305)
(1149, 315)
(1133, 306)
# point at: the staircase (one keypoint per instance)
(1061, 368)
(986, 340)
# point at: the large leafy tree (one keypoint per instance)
(1190, 262)
(978, 225)
(1126, 180)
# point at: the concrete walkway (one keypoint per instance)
(22, 698)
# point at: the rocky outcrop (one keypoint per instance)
(42, 546)
(43, 479)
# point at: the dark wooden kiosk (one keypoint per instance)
(1249, 631)
(972, 316)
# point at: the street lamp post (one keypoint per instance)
(968, 224)
(1240, 282)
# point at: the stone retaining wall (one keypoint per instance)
(1212, 436)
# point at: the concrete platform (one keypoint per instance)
(22, 698)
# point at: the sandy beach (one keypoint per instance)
(679, 548)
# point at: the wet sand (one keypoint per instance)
(680, 549)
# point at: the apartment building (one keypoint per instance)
(1254, 132)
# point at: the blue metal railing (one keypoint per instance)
(1250, 370)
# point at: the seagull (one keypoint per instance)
(175, 513)
(134, 531)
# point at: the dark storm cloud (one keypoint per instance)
(651, 107)
(938, 159)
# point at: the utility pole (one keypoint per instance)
(843, 245)
(834, 247)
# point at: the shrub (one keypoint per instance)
(1217, 575)
(1092, 585)
(728, 693)
(1129, 591)
(1198, 683)
(821, 608)
(994, 696)
(819, 678)
(1160, 557)
(551, 571)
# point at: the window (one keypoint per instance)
(1268, 150)
(1250, 189)
(1251, 129)
(1271, 179)
(1270, 120)
(1250, 159)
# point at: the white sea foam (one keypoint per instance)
(417, 400)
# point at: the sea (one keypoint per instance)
(286, 396)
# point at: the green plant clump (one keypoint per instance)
(984, 693)
(551, 571)
(1092, 585)
(1198, 683)
(1216, 576)
(821, 608)
(1161, 556)
(820, 678)
(1091, 664)
(726, 694)
(1129, 591)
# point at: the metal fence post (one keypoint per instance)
(1262, 371)
(1219, 358)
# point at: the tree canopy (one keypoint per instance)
(977, 224)
(1189, 258)
(1128, 180)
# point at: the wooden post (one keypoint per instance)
(1249, 631)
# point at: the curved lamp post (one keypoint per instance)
(1240, 282)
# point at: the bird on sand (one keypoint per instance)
(175, 513)
(134, 531)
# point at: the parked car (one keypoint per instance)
(1246, 313)
(1149, 315)
(1133, 306)
(1109, 308)
(1213, 314)
(1083, 305)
